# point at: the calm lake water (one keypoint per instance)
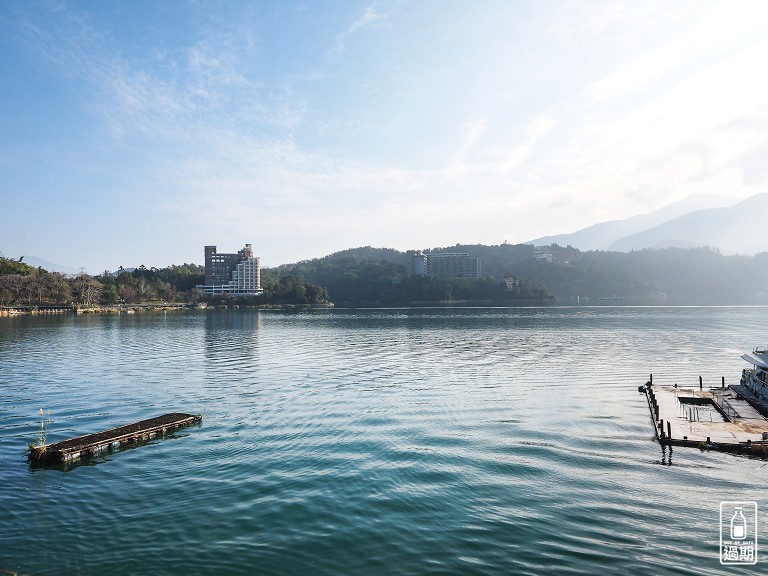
(404, 441)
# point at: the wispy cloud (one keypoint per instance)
(370, 17)
(494, 128)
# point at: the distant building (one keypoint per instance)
(417, 263)
(542, 256)
(234, 274)
(443, 265)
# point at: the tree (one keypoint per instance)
(60, 290)
(109, 294)
(87, 289)
(39, 285)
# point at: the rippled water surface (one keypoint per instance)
(414, 441)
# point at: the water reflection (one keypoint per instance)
(231, 335)
(666, 455)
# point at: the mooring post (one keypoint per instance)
(651, 379)
(701, 382)
(723, 385)
(661, 428)
(669, 429)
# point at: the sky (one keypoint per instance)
(137, 132)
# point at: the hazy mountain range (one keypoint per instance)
(698, 220)
(36, 262)
(693, 222)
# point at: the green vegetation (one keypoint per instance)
(512, 274)
(378, 276)
(673, 275)
(21, 284)
(42, 434)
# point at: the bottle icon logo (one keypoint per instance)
(738, 532)
(738, 525)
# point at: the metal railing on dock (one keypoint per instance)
(728, 411)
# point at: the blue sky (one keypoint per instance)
(137, 132)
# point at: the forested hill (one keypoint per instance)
(512, 274)
(378, 276)
(672, 276)
(675, 276)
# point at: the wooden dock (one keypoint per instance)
(720, 418)
(92, 444)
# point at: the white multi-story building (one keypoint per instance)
(242, 269)
(444, 265)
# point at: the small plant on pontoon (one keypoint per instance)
(42, 435)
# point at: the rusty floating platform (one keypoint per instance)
(91, 444)
(721, 419)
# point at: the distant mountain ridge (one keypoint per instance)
(692, 222)
(50, 266)
(734, 230)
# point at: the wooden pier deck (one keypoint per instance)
(90, 444)
(706, 418)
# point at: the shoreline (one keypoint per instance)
(6, 311)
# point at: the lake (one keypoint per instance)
(398, 441)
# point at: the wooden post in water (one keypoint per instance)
(669, 429)
(701, 383)
(723, 385)
(661, 428)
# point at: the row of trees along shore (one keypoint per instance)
(513, 274)
(21, 284)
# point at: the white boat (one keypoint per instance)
(756, 379)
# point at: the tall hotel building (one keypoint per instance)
(234, 274)
(443, 264)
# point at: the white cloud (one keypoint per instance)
(636, 74)
(223, 145)
(369, 18)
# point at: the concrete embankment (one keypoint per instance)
(79, 309)
(133, 308)
(16, 310)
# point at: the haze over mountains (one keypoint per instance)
(696, 221)
(693, 222)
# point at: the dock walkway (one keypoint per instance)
(89, 444)
(758, 403)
